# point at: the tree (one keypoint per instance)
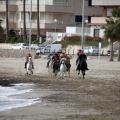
(116, 15)
(7, 23)
(38, 23)
(109, 33)
(24, 20)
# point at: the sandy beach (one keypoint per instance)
(97, 97)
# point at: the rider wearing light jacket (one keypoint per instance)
(49, 59)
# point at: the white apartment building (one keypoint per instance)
(55, 15)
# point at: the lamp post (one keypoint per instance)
(86, 22)
(82, 41)
(55, 20)
(86, 32)
(20, 27)
(30, 25)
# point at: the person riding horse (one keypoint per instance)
(81, 57)
(67, 60)
(27, 58)
(56, 60)
(78, 54)
(49, 57)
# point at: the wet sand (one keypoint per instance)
(96, 97)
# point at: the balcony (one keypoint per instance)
(45, 2)
(106, 2)
(12, 6)
(44, 24)
(48, 7)
(12, 24)
(98, 20)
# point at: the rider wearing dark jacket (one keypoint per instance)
(55, 58)
(83, 56)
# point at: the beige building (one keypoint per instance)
(97, 21)
(55, 15)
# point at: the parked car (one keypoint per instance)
(36, 47)
(22, 46)
(92, 50)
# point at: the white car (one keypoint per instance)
(34, 47)
(22, 46)
(92, 50)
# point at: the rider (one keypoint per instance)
(67, 61)
(49, 59)
(55, 58)
(78, 54)
(27, 58)
(83, 56)
(63, 55)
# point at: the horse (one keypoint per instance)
(81, 66)
(63, 68)
(56, 65)
(29, 66)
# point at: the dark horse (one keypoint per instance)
(82, 66)
(56, 67)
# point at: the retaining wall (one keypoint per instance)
(10, 53)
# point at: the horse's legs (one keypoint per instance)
(31, 72)
(55, 71)
(78, 72)
(64, 74)
(83, 73)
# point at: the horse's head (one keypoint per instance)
(63, 59)
(63, 62)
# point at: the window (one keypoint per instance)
(48, 48)
(78, 18)
(96, 32)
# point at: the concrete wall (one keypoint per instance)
(9, 53)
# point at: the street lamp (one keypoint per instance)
(55, 20)
(86, 22)
(20, 21)
(82, 41)
(86, 32)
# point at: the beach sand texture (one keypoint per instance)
(97, 97)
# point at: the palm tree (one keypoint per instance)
(116, 14)
(109, 33)
(38, 23)
(24, 20)
(7, 23)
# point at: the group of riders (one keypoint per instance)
(56, 57)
